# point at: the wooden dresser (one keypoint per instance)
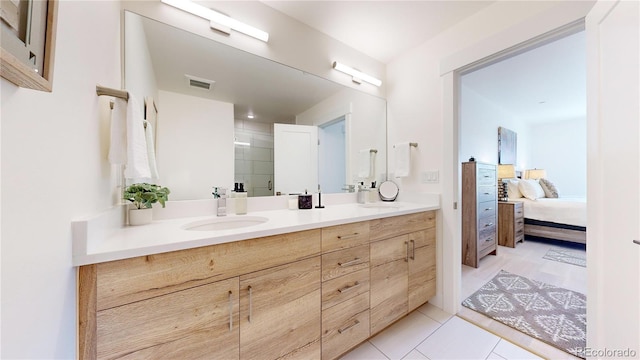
(479, 212)
(510, 223)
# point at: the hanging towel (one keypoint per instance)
(365, 159)
(137, 159)
(402, 153)
(151, 150)
(118, 141)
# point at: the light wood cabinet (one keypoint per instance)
(312, 294)
(510, 223)
(403, 269)
(276, 303)
(479, 212)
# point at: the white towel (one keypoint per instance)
(365, 163)
(151, 150)
(118, 141)
(137, 159)
(402, 153)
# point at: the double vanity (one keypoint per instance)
(301, 284)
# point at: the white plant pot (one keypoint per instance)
(140, 216)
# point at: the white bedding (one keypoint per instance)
(569, 211)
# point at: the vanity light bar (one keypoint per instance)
(357, 75)
(218, 19)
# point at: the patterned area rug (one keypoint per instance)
(554, 315)
(574, 257)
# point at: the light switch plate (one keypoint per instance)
(430, 177)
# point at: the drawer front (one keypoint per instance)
(345, 287)
(518, 210)
(486, 176)
(486, 208)
(345, 236)
(404, 224)
(343, 262)
(487, 193)
(344, 326)
(486, 232)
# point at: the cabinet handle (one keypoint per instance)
(349, 287)
(342, 237)
(349, 263)
(406, 259)
(489, 224)
(250, 303)
(230, 311)
(489, 240)
(487, 209)
(413, 249)
(356, 322)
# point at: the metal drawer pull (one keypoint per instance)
(406, 259)
(250, 303)
(349, 263)
(487, 193)
(347, 288)
(356, 322)
(413, 249)
(489, 240)
(487, 209)
(489, 224)
(636, 242)
(230, 311)
(342, 237)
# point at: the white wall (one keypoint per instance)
(479, 122)
(139, 78)
(195, 145)
(55, 169)
(561, 149)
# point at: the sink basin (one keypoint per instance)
(225, 223)
(381, 206)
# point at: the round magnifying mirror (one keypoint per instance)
(388, 191)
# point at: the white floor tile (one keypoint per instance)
(364, 351)
(459, 339)
(512, 352)
(435, 313)
(415, 355)
(400, 338)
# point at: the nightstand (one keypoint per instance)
(510, 223)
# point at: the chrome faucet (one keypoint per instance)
(220, 193)
(349, 188)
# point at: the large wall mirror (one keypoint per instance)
(305, 131)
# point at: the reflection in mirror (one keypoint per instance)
(217, 107)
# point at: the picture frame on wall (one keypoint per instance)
(507, 146)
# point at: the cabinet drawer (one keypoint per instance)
(518, 210)
(125, 281)
(487, 193)
(404, 224)
(486, 176)
(344, 326)
(486, 208)
(343, 262)
(486, 237)
(345, 236)
(345, 287)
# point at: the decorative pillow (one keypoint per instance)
(550, 190)
(512, 189)
(531, 189)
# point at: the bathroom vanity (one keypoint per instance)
(304, 284)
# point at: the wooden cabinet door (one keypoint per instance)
(389, 281)
(196, 323)
(422, 268)
(280, 312)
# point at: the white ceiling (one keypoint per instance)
(380, 29)
(545, 84)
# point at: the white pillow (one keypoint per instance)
(512, 189)
(531, 189)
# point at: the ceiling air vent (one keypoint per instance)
(199, 83)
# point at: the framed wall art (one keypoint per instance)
(507, 146)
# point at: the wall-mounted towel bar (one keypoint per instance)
(413, 144)
(373, 151)
(101, 90)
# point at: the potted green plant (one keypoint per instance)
(143, 196)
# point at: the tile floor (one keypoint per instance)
(430, 333)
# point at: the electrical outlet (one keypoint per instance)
(430, 177)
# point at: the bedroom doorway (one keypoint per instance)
(509, 91)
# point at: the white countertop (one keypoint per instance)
(93, 246)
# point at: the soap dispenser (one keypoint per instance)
(241, 200)
(363, 193)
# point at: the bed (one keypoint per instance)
(548, 215)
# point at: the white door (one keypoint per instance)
(332, 157)
(613, 154)
(295, 155)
